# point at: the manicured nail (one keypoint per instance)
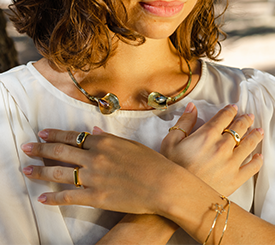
(97, 130)
(28, 170)
(260, 130)
(27, 147)
(189, 108)
(42, 198)
(251, 116)
(44, 134)
(235, 106)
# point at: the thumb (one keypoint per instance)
(97, 130)
(186, 122)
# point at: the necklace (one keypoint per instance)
(110, 103)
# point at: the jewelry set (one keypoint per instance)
(219, 209)
(110, 103)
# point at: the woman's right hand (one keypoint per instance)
(213, 155)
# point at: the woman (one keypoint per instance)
(131, 49)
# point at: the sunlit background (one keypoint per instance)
(250, 26)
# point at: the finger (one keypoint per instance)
(240, 126)
(56, 151)
(53, 174)
(251, 168)
(66, 197)
(97, 130)
(222, 119)
(186, 122)
(66, 137)
(248, 144)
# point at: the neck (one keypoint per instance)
(133, 73)
(152, 56)
(132, 63)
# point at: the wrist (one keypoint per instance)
(189, 202)
(176, 188)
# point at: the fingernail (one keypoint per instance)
(260, 130)
(251, 116)
(42, 198)
(97, 130)
(27, 147)
(44, 134)
(28, 170)
(261, 155)
(235, 106)
(189, 108)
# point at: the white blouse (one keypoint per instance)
(29, 103)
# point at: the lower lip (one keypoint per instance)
(162, 9)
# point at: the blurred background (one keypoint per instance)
(249, 24)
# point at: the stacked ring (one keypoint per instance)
(235, 135)
(80, 139)
(177, 127)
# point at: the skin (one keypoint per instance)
(129, 184)
(134, 72)
(165, 211)
(155, 27)
(161, 71)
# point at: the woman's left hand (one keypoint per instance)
(213, 155)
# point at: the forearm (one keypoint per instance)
(192, 209)
(140, 229)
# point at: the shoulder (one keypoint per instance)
(252, 90)
(233, 74)
(259, 80)
(17, 82)
(17, 86)
(16, 76)
(222, 73)
(11, 81)
(245, 80)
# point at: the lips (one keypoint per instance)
(162, 8)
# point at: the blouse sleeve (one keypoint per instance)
(25, 220)
(16, 210)
(261, 102)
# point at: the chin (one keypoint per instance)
(162, 34)
(156, 31)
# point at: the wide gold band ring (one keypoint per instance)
(76, 177)
(177, 127)
(80, 139)
(235, 135)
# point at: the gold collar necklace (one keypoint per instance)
(110, 103)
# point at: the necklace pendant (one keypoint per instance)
(158, 101)
(108, 104)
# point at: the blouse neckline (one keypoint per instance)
(120, 113)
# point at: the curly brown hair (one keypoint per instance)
(74, 33)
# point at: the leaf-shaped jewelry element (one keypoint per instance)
(158, 101)
(108, 104)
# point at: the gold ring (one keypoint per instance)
(235, 135)
(177, 127)
(80, 139)
(76, 179)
